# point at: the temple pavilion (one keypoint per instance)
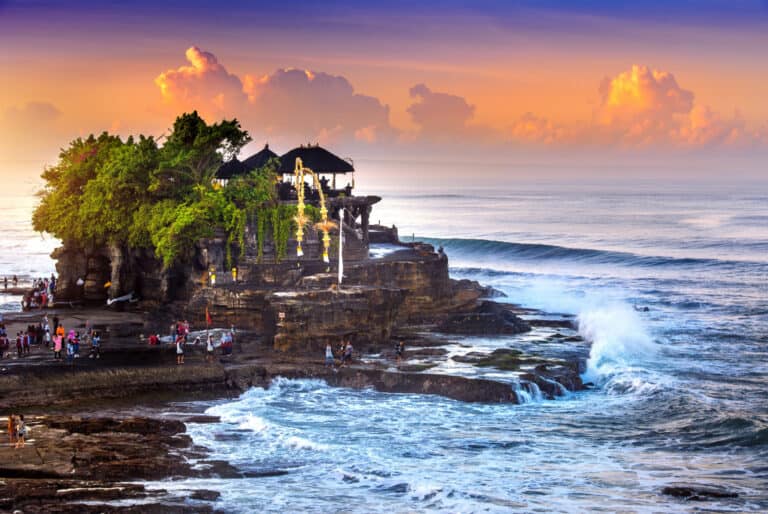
(336, 179)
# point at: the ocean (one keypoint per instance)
(669, 284)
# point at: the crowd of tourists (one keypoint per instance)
(41, 294)
(179, 337)
(344, 353)
(54, 337)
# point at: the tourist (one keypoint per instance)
(347, 356)
(21, 432)
(226, 343)
(74, 338)
(5, 347)
(5, 282)
(15, 281)
(154, 339)
(11, 428)
(209, 349)
(70, 352)
(399, 351)
(57, 347)
(47, 334)
(27, 339)
(95, 346)
(328, 355)
(179, 350)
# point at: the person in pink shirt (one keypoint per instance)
(57, 347)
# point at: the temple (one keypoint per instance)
(332, 171)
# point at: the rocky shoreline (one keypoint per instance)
(285, 315)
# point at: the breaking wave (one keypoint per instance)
(465, 249)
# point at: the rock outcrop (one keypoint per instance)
(489, 318)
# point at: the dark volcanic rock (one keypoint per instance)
(490, 318)
(698, 492)
(458, 388)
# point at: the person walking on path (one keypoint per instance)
(180, 350)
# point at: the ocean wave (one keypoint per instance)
(461, 249)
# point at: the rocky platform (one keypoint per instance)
(82, 464)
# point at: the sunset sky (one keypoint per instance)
(593, 88)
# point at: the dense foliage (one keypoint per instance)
(105, 190)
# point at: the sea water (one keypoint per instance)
(680, 387)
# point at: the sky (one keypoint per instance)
(464, 92)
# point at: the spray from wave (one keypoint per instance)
(621, 349)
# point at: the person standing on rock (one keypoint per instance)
(180, 350)
(209, 349)
(70, 352)
(19, 345)
(15, 281)
(11, 428)
(328, 355)
(399, 351)
(95, 346)
(57, 347)
(21, 432)
(347, 358)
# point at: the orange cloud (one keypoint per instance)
(316, 106)
(639, 107)
(290, 105)
(204, 85)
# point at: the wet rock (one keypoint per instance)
(455, 387)
(698, 492)
(490, 318)
(205, 495)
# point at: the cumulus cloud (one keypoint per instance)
(31, 113)
(288, 105)
(439, 115)
(536, 129)
(204, 85)
(316, 106)
(640, 107)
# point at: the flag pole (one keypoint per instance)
(341, 245)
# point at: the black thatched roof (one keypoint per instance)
(259, 159)
(235, 167)
(315, 158)
(230, 169)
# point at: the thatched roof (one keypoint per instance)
(230, 169)
(315, 158)
(259, 159)
(234, 167)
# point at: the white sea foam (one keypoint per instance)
(620, 347)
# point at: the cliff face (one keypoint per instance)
(305, 321)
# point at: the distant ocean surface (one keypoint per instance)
(682, 389)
